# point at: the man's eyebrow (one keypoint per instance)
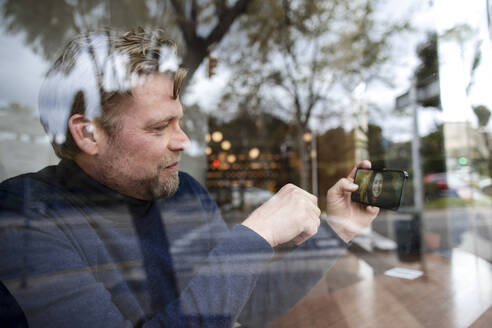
(158, 121)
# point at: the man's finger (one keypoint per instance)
(293, 188)
(347, 185)
(312, 198)
(364, 164)
(301, 238)
(372, 209)
(298, 240)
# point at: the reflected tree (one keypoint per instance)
(302, 60)
(297, 59)
(428, 57)
(428, 68)
(199, 26)
(47, 25)
(432, 150)
(376, 145)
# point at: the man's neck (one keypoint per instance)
(88, 167)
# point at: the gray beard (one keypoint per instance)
(162, 188)
(149, 189)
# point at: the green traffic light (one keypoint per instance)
(462, 161)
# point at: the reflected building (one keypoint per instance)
(248, 159)
(465, 147)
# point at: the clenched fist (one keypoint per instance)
(291, 214)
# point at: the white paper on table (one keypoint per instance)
(404, 273)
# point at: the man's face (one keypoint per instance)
(141, 158)
(377, 185)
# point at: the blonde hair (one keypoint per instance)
(115, 58)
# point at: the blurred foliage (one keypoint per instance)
(428, 57)
(483, 115)
(47, 25)
(376, 146)
(428, 70)
(432, 151)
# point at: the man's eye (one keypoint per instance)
(161, 127)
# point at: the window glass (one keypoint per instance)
(175, 163)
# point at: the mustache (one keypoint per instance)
(170, 161)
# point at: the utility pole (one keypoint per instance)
(416, 161)
(418, 192)
(409, 233)
(314, 163)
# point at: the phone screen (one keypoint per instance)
(381, 188)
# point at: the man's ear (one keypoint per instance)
(84, 133)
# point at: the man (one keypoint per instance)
(116, 236)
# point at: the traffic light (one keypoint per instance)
(212, 64)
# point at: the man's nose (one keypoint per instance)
(179, 140)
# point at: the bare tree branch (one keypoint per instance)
(226, 18)
(187, 26)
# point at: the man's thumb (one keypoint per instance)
(347, 185)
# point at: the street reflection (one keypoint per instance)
(277, 92)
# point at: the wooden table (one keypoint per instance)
(455, 291)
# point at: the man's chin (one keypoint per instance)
(165, 187)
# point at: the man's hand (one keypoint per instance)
(348, 218)
(291, 214)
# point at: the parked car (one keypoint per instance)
(436, 186)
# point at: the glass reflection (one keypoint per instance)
(300, 91)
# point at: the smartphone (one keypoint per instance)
(382, 188)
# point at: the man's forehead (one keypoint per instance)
(156, 85)
(152, 102)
